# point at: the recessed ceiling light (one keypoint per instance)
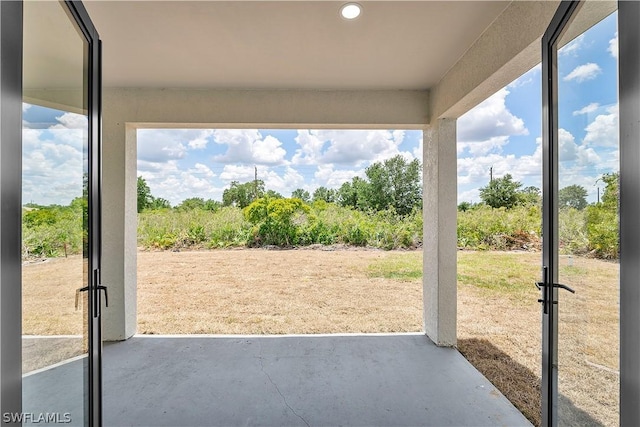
(350, 11)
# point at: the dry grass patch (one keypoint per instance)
(48, 296)
(254, 291)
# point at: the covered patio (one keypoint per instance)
(313, 380)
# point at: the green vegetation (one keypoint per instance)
(474, 269)
(53, 231)
(405, 267)
(501, 192)
(382, 211)
(278, 222)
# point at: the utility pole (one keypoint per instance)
(255, 183)
(491, 174)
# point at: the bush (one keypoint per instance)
(53, 231)
(276, 221)
(169, 228)
(484, 228)
(602, 231)
(572, 230)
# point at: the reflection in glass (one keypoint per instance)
(588, 321)
(55, 214)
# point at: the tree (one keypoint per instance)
(395, 182)
(573, 196)
(530, 196)
(160, 203)
(212, 205)
(241, 195)
(301, 194)
(611, 194)
(464, 206)
(145, 199)
(501, 192)
(602, 220)
(272, 194)
(191, 204)
(324, 193)
(352, 194)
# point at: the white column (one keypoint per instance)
(440, 237)
(119, 222)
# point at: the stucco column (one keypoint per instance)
(119, 222)
(440, 217)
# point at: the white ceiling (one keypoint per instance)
(287, 44)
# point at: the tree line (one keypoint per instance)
(395, 182)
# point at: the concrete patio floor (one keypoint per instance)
(356, 380)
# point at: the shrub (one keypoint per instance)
(602, 230)
(276, 221)
(484, 228)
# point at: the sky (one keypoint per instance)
(503, 133)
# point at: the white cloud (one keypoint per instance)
(480, 148)
(473, 172)
(52, 170)
(573, 46)
(329, 177)
(163, 145)
(418, 151)
(248, 146)
(285, 183)
(353, 147)
(584, 72)
(200, 142)
(588, 109)
(603, 131)
(310, 151)
(241, 173)
(169, 181)
(613, 46)
(580, 156)
(268, 151)
(488, 126)
(71, 121)
(53, 160)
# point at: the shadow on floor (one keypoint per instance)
(518, 383)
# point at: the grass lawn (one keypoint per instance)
(253, 291)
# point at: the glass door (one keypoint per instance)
(580, 278)
(61, 305)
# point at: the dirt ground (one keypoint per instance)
(254, 291)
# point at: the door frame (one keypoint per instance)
(11, 57)
(629, 113)
(94, 97)
(550, 146)
(629, 143)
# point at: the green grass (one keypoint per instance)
(512, 273)
(406, 267)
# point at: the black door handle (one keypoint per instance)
(85, 289)
(106, 294)
(541, 285)
(546, 293)
(99, 288)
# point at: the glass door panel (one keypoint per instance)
(55, 242)
(580, 286)
(588, 168)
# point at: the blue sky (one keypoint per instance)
(502, 132)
